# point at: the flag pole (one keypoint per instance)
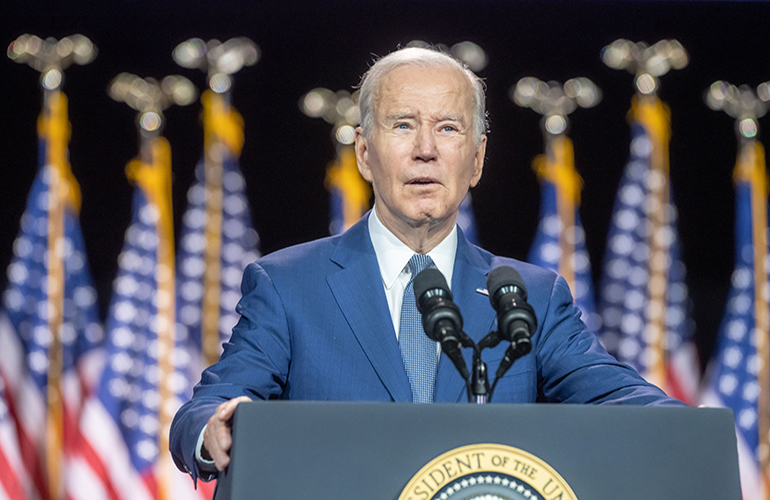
(746, 106)
(350, 192)
(151, 171)
(648, 64)
(555, 102)
(50, 57)
(223, 133)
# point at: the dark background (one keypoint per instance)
(306, 44)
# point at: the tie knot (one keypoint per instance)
(418, 263)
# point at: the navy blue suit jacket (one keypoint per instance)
(315, 325)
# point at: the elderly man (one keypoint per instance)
(323, 320)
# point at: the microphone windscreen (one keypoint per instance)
(503, 276)
(429, 279)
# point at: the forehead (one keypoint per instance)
(432, 90)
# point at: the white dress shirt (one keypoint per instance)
(393, 256)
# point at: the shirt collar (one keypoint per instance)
(393, 254)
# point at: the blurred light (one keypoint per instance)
(763, 91)
(345, 134)
(471, 54)
(52, 79)
(646, 84)
(617, 54)
(344, 103)
(64, 47)
(231, 56)
(230, 61)
(181, 91)
(421, 44)
(555, 124)
(353, 115)
(438, 47)
(748, 128)
(525, 92)
(584, 91)
(85, 51)
(658, 64)
(250, 52)
(314, 103)
(220, 83)
(150, 121)
(189, 54)
(677, 55)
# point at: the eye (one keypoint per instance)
(402, 126)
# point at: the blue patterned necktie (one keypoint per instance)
(417, 350)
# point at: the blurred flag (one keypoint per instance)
(560, 240)
(217, 240)
(145, 378)
(738, 374)
(49, 320)
(467, 221)
(350, 193)
(643, 300)
(13, 475)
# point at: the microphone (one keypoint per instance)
(515, 317)
(441, 317)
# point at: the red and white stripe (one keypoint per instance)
(13, 477)
(753, 486)
(28, 410)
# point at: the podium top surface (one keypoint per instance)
(342, 450)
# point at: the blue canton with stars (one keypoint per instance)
(623, 296)
(546, 252)
(25, 300)
(737, 363)
(239, 247)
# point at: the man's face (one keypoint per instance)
(422, 154)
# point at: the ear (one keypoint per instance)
(478, 161)
(362, 155)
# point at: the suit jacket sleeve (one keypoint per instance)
(254, 364)
(572, 366)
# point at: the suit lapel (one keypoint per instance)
(358, 290)
(469, 274)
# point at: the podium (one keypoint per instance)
(342, 450)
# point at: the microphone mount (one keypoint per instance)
(443, 323)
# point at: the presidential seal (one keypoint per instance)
(487, 472)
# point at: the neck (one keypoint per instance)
(420, 236)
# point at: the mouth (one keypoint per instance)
(422, 181)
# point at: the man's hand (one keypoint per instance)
(217, 439)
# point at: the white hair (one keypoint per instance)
(423, 58)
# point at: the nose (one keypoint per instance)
(424, 145)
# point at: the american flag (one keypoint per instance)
(739, 376)
(349, 191)
(49, 324)
(146, 375)
(644, 304)
(560, 240)
(217, 240)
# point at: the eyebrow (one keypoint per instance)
(399, 116)
(407, 114)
